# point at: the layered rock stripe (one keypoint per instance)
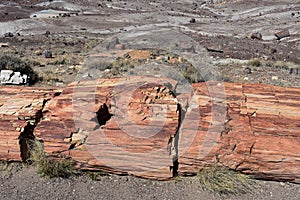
(140, 126)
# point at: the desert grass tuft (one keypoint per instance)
(95, 175)
(50, 168)
(221, 180)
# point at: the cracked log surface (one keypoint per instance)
(131, 126)
(20, 110)
(259, 132)
(120, 125)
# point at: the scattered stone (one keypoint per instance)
(9, 34)
(273, 50)
(256, 35)
(294, 71)
(48, 54)
(282, 34)
(4, 44)
(247, 70)
(193, 20)
(47, 33)
(214, 49)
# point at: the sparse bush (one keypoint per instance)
(50, 168)
(97, 63)
(95, 175)
(8, 62)
(224, 181)
(51, 76)
(254, 62)
(179, 68)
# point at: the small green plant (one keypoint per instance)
(47, 167)
(10, 167)
(224, 181)
(95, 175)
(178, 179)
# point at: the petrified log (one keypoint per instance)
(120, 125)
(258, 134)
(141, 126)
(20, 110)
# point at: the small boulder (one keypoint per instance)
(282, 34)
(47, 33)
(247, 70)
(256, 35)
(193, 20)
(294, 71)
(9, 34)
(48, 54)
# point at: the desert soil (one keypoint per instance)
(19, 182)
(73, 29)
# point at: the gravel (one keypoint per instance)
(24, 183)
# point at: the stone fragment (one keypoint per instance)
(48, 54)
(256, 35)
(282, 34)
(9, 34)
(11, 77)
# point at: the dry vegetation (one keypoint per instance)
(48, 167)
(224, 181)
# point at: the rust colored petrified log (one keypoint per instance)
(257, 134)
(20, 110)
(121, 125)
(144, 127)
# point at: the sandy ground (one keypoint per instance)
(23, 183)
(75, 29)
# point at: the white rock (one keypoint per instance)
(11, 77)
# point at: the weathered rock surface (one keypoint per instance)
(136, 126)
(258, 135)
(20, 109)
(120, 125)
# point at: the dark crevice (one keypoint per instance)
(24, 141)
(251, 148)
(173, 145)
(103, 115)
(27, 137)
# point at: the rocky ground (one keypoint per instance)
(22, 182)
(237, 39)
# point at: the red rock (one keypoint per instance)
(260, 132)
(130, 126)
(19, 107)
(138, 116)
